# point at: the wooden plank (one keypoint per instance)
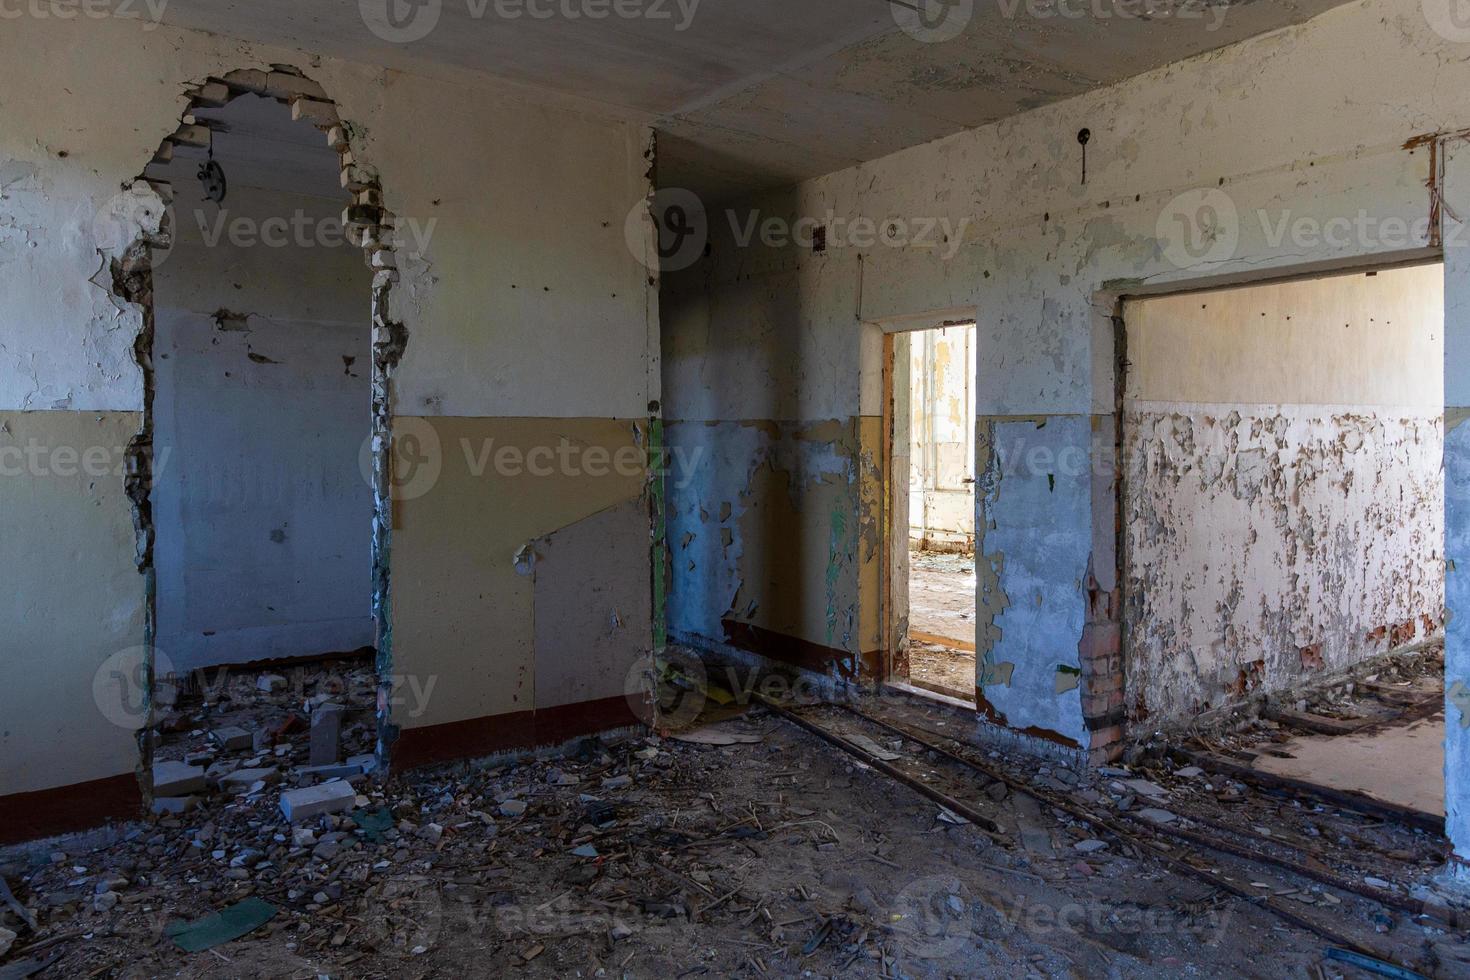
(942, 641)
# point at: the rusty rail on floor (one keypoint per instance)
(980, 820)
(1387, 899)
(1347, 799)
(1124, 834)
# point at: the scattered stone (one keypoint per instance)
(313, 801)
(1189, 772)
(512, 808)
(7, 939)
(1090, 846)
(106, 902)
(1143, 787)
(1155, 815)
(617, 782)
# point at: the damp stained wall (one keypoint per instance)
(1284, 503)
(522, 304)
(1280, 135)
(262, 507)
(942, 439)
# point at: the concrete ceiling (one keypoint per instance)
(758, 93)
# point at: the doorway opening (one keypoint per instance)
(1283, 525)
(258, 254)
(931, 476)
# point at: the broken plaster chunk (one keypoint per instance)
(271, 683)
(313, 801)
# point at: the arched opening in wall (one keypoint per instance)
(260, 477)
(1282, 532)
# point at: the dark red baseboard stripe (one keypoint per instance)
(66, 809)
(503, 733)
(802, 654)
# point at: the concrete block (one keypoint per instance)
(326, 734)
(232, 737)
(177, 779)
(313, 801)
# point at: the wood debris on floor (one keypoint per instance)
(752, 847)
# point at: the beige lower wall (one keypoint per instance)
(493, 633)
(73, 598)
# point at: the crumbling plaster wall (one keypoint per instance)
(524, 307)
(1284, 505)
(1308, 123)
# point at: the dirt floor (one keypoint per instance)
(942, 623)
(753, 848)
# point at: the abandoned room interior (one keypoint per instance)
(672, 488)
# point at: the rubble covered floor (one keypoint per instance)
(775, 854)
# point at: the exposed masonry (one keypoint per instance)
(370, 225)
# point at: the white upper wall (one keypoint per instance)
(525, 301)
(1276, 136)
(1360, 340)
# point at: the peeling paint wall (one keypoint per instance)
(1300, 126)
(1285, 494)
(522, 302)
